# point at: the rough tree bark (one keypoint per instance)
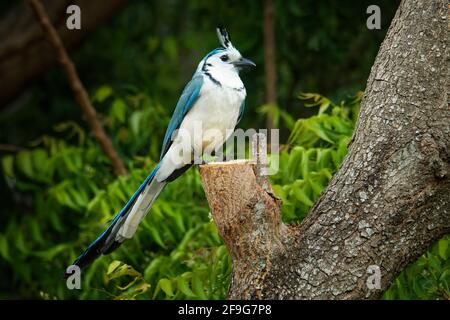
(24, 53)
(389, 201)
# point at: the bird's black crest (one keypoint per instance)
(224, 37)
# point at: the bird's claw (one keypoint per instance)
(203, 161)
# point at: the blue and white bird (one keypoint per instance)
(215, 98)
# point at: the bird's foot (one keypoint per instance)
(206, 160)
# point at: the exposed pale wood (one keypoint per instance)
(247, 218)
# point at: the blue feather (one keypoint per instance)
(97, 246)
(213, 52)
(241, 111)
(187, 100)
(190, 95)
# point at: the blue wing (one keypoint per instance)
(241, 111)
(189, 96)
(102, 245)
(99, 245)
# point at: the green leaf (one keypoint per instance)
(183, 285)
(301, 196)
(118, 110)
(170, 47)
(113, 266)
(166, 286)
(135, 120)
(401, 290)
(295, 161)
(8, 165)
(20, 243)
(56, 222)
(35, 229)
(25, 164)
(50, 253)
(102, 93)
(4, 248)
(197, 285)
(304, 165)
(153, 268)
(123, 288)
(319, 131)
(122, 270)
(445, 276)
(434, 262)
(279, 191)
(156, 235)
(316, 186)
(442, 248)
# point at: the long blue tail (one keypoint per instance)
(105, 242)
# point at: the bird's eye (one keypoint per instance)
(224, 57)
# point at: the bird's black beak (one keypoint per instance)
(243, 62)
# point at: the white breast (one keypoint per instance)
(217, 111)
(205, 127)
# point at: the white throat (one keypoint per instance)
(227, 77)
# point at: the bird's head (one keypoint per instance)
(226, 57)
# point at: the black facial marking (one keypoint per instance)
(205, 65)
(212, 79)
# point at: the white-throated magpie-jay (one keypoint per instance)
(215, 99)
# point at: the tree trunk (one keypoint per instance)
(24, 53)
(389, 201)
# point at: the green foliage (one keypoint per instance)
(427, 278)
(66, 194)
(315, 149)
(69, 195)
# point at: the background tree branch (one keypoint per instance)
(77, 87)
(385, 206)
(23, 54)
